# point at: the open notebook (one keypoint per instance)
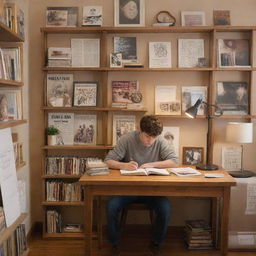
(145, 172)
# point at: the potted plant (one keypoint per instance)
(52, 133)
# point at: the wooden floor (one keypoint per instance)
(132, 244)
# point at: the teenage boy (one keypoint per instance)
(141, 149)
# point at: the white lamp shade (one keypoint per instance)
(239, 132)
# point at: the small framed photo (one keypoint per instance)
(221, 17)
(92, 16)
(115, 60)
(129, 13)
(193, 155)
(192, 18)
(85, 94)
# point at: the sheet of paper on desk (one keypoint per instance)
(214, 175)
(185, 171)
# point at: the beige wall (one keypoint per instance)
(192, 132)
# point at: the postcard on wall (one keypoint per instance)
(128, 47)
(172, 136)
(122, 91)
(190, 51)
(62, 16)
(160, 55)
(85, 52)
(233, 53)
(59, 90)
(190, 95)
(59, 53)
(8, 178)
(232, 97)
(85, 129)
(192, 18)
(129, 13)
(85, 94)
(92, 16)
(65, 123)
(166, 100)
(122, 124)
(221, 17)
(231, 158)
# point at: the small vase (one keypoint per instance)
(52, 140)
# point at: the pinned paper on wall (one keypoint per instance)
(8, 178)
(251, 198)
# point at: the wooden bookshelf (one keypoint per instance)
(60, 203)
(77, 147)
(9, 231)
(4, 83)
(8, 35)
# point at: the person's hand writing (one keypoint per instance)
(132, 165)
(147, 165)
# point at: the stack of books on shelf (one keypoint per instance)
(59, 57)
(198, 235)
(95, 166)
(54, 221)
(72, 228)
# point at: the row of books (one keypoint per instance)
(65, 165)
(10, 104)
(55, 224)
(191, 54)
(18, 153)
(10, 64)
(13, 17)
(63, 191)
(198, 235)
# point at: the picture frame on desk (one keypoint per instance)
(192, 155)
(129, 13)
(192, 18)
(85, 94)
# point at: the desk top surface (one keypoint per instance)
(116, 179)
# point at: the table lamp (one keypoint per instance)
(192, 113)
(240, 133)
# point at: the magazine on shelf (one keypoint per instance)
(92, 16)
(128, 47)
(145, 172)
(160, 55)
(85, 52)
(62, 16)
(189, 52)
(232, 97)
(233, 53)
(85, 128)
(59, 90)
(85, 94)
(190, 95)
(167, 101)
(65, 124)
(122, 124)
(21, 22)
(123, 91)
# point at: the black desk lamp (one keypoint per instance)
(192, 113)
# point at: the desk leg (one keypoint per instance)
(224, 221)
(88, 198)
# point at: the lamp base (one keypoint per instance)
(242, 174)
(207, 167)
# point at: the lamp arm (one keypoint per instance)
(218, 109)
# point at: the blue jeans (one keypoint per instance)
(159, 204)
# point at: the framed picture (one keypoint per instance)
(92, 16)
(85, 94)
(115, 60)
(233, 53)
(129, 13)
(160, 55)
(193, 155)
(192, 18)
(221, 17)
(128, 47)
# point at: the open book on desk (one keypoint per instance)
(184, 171)
(145, 172)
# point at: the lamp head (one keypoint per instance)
(192, 111)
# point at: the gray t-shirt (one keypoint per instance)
(129, 148)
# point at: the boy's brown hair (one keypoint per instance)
(151, 125)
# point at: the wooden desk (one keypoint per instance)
(197, 186)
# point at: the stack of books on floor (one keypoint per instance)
(95, 166)
(198, 235)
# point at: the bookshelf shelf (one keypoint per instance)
(47, 203)
(9, 231)
(67, 235)
(7, 124)
(4, 83)
(7, 35)
(77, 147)
(61, 176)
